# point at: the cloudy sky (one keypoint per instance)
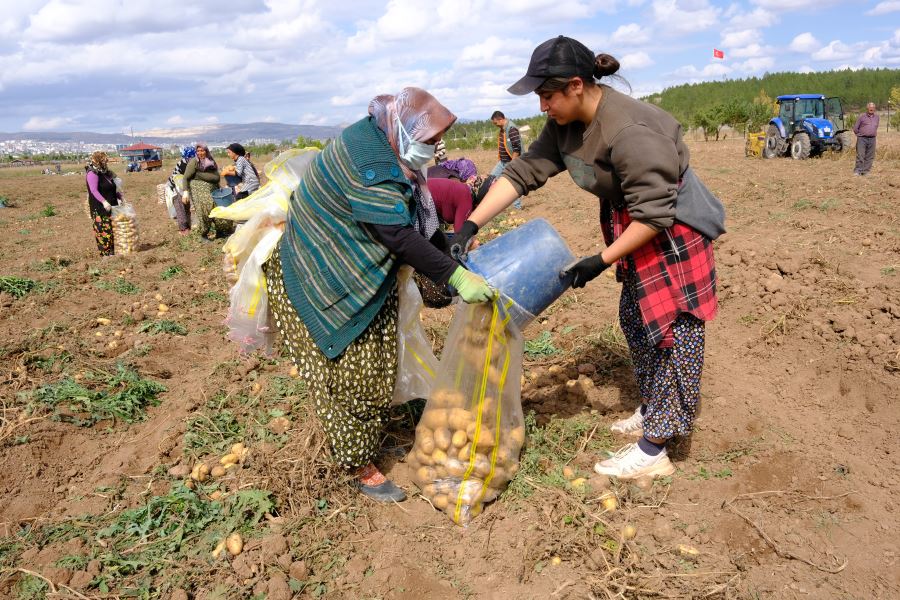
(107, 65)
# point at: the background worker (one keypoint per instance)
(509, 146)
(865, 128)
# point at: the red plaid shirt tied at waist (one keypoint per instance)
(674, 273)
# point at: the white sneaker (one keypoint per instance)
(630, 462)
(633, 425)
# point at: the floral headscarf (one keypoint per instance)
(99, 161)
(423, 117)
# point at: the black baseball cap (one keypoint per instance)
(557, 57)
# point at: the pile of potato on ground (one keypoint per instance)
(467, 442)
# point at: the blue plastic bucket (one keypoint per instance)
(223, 197)
(524, 264)
(232, 180)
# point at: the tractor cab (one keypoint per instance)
(806, 125)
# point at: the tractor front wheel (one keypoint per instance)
(845, 142)
(800, 146)
(775, 144)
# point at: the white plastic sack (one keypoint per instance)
(416, 363)
(248, 249)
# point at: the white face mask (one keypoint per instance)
(414, 153)
(418, 155)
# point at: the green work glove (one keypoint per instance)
(472, 287)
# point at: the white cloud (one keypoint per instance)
(756, 65)
(805, 42)
(710, 71)
(175, 120)
(635, 61)
(751, 51)
(757, 18)
(45, 123)
(836, 50)
(631, 34)
(883, 8)
(786, 5)
(683, 16)
(739, 38)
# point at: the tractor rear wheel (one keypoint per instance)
(800, 146)
(775, 144)
(845, 142)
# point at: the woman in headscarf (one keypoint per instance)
(102, 196)
(201, 178)
(182, 201)
(360, 211)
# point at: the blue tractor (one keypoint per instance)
(807, 125)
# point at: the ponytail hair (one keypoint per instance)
(605, 65)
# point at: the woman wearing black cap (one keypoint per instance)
(246, 177)
(630, 155)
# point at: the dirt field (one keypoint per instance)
(786, 489)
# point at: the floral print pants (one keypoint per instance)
(352, 393)
(103, 232)
(668, 378)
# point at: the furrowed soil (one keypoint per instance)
(787, 488)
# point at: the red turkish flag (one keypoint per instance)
(718, 53)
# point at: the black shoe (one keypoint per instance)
(385, 492)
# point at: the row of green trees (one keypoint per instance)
(855, 88)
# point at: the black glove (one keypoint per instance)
(462, 239)
(584, 270)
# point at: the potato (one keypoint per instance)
(610, 504)
(158, 297)
(217, 471)
(440, 472)
(440, 501)
(485, 440)
(435, 418)
(200, 472)
(446, 398)
(628, 532)
(455, 468)
(442, 438)
(216, 495)
(424, 459)
(459, 438)
(239, 450)
(459, 418)
(439, 457)
(234, 544)
(425, 441)
(425, 475)
(568, 472)
(228, 459)
(103, 321)
(517, 435)
(428, 490)
(162, 308)
(464, 453)
(482, 465)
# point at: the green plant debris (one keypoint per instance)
(163, 326)
(120, 286)
(122, 395)
(48, 211)
(553, 444)
(52, 265)
(16, 286)
(172, 272)
(540, 346)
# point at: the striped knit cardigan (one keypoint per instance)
(336, 272)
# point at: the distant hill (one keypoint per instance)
(217, 134)
(855, 88)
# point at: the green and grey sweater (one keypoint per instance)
(337, 273)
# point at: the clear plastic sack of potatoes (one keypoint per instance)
(125, 232)
(416, 364)
(468, 440)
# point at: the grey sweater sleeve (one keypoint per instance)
(542, 161)
(647, 163)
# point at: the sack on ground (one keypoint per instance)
(468, 440)
(125, 232)
(416, 363)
